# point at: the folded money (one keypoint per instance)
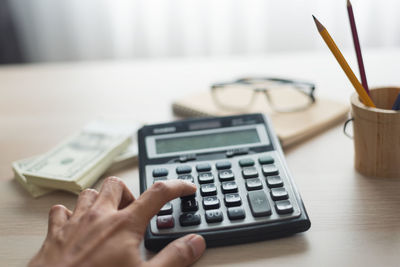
(79, 161)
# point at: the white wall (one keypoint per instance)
(57, 30)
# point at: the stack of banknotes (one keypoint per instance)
(79, 161)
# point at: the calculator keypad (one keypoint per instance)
(245, 190)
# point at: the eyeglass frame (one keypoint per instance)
(296, 85)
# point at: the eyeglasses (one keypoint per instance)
(283, 95)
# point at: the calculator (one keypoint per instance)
(245, 191)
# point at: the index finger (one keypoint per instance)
(152, 200)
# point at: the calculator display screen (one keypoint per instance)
(210, 140)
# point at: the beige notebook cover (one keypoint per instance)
(290, 127)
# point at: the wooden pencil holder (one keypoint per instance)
(376, 134)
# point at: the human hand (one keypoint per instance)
(106, 228)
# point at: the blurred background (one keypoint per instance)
(81, 30)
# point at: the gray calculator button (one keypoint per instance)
(160, 172)
(205, 178)
(159, 179)
(229, 187)
(222, 165)
(166, 209)
(211, 202)
(213, 216)
(250, 172)
(266, 160)
(232, 200)
(208, 190)
(274, 181)
(283, 207)
(236, 213)
(203, 167)
(279, 193)
(187, 219)
(259, 203)
(226, 175)
(270, 169)
(253, 184)
(186, 177)
(183, 169)
(247, 162)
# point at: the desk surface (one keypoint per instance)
(355, 220)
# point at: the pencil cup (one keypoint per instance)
(377, 134)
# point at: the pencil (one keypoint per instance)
(357, 46)
(396, 105)
(343, 63)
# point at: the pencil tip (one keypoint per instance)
(320, 27)
(348, 3)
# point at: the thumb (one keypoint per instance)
(181, 252)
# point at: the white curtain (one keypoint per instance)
(58, 30)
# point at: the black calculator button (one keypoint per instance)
(205, 178)
(226, 175)
(250, 172)
(166, 209)
(229, 187)
(187, 178)
(159, 179)
(189, 204)
(165, 222)
(208, 190)
(274, 181)
(160, 172)
(210, 203)
(246, 162)
(266, 160)
(253, 184)
(189, 196)
(283, 207)
(236, 213)
(183, 169)
(259, 203)
(279, 193)
(232, 200)
(188, 219)
(213, 216)
(203, 167)
(270, 170)
(222, 165)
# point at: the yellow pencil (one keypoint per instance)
(343, 63)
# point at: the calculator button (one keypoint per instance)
(226, 175)
(164, 222)
(166, 209)
(222, 165)
(274, 181)
(266, 160)
(250, 172)
(270, 170)
(205, 178)
(229, 187)
(187, 178)
(159, 179)
(183, 169)
(236, 213)
(160, 172)
(189, 204)
(208, 190)
(214, 216)
(189, 196)
(210, 203)
(253, 184)
(279, 193)
(259, 204)
(232, 200)
(187, 219)
(203, 167)
(283, 207)
(246, 162)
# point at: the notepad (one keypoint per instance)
(291, 127)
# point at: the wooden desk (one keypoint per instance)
(355, 220)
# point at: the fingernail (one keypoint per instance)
(197, 244)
